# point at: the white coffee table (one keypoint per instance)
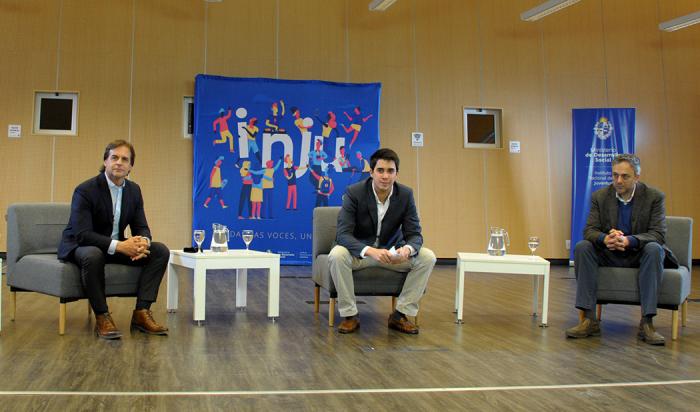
(508, 264)
(241, 260)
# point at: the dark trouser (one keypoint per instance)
(244, 199)
(92, 260)
(267, 201)
(215, 192)
(321, 200)
(649, 260)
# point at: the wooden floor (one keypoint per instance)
(499, 359)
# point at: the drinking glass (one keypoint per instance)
(533, 242)
(247, 236)
(199, 239)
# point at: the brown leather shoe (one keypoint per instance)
(349, 325)
(142, 320)
(403, 325)
(105, 327)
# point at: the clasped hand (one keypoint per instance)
(385, 256)
(135, 247)
(616, 240)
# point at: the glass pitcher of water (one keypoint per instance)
(219, 239)
(498, 240)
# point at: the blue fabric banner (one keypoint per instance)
(266, 152)
(598, 136)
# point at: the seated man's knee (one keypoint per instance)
(426, 255)
(653, 248)
(583, 246)
(159, 249)
(338, 253)
(89, 255)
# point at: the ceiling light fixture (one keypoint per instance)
(546, 9)
(680, 22)
(380, 5)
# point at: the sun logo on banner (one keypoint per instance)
(603, 128)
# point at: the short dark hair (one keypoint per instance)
(384, 154)
(113, 145)
(630, 158)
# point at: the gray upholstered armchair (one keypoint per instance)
(368, 282)
(619, 285)
(33, 235)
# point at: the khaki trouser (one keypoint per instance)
(419, 268)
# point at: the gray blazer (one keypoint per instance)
(648, 217)
(357, 220)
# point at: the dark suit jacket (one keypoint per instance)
(91, 216)
(357, 220)
(648, 217)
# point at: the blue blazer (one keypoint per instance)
(357, 220)
(91, 216)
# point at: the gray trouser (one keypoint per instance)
(649, 260)
(418, 267)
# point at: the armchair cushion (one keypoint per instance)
(46, 274)
(33, 235)
(368, 282)
(620, 285)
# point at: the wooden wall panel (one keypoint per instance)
(512, 81)
(167, 56)
(95, 61)
(635, 74)
(28, 50)
(451, 177)
(681, 62)
(432, 58)
(312, 40)
(241, 38)
(574, 78)
(380, 51)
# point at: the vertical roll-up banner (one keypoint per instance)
(598, 136)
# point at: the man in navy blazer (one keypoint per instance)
(626, 227)
(101, 209)
(378, 225)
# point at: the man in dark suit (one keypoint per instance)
(102, 207)
(378, 225)
(626, 227)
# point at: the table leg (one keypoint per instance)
(457, 288)
(535, 293)
(459, 299)
(241, 288)
(273, 291)
(173, 286)
(200, 292)
(545, 296)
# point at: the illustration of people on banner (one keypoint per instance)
(263, 170)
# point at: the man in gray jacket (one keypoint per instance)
(378, 225)
(626, 227)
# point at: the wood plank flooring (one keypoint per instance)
(498, 349)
